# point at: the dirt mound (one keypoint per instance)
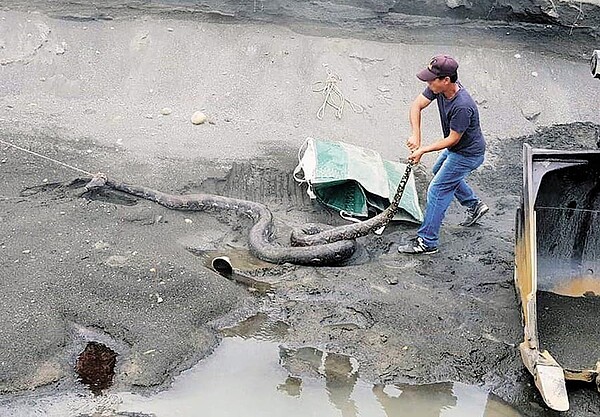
(505, 174)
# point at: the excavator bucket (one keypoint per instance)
(557, 269)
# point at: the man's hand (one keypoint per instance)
(416, 155)
(413, 143)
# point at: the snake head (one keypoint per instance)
(97, 181)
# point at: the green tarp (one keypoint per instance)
(354, 180)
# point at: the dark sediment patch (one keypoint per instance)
(568, 329)
(96, 366)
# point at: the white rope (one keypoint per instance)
(45, 157)
(334, 96)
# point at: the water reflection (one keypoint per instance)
(249, 377)
(415, 400)
(339, 372)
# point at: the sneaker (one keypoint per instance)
(475, 213)
(417, 246)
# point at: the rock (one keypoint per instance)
(116, 261)
(60, 49)
(165, 111)
(453, 4)
(198, 118)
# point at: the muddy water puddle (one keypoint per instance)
(251, 374)
(248, 377)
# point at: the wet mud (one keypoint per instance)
(452, 316)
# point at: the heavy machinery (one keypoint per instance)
(557, 269)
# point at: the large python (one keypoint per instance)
(313, 244)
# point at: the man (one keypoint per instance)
(463, 149)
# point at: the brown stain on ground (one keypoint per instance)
(96, 366)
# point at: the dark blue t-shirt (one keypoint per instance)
(461, 115)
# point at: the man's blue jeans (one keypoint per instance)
(450, 171)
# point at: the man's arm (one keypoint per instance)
(418, 104)
(449, 141)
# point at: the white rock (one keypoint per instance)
(116, 261)
(100, 245)
(188, 221)
(165, 111)
(198, 118)
(534, 74)
(61, 49)
(453, 4)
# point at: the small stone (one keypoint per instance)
(453, 4)
(198, 118)
(61, 49)
(518, 56)
(534, 74)
(100, 245)
(148, 116)
(392, 280)
(170, 29)
(116, 261)
(165, 111)
(188, 221)
(26, 251)
(3, 161)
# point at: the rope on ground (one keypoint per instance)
(333, 96)
(45, 157)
